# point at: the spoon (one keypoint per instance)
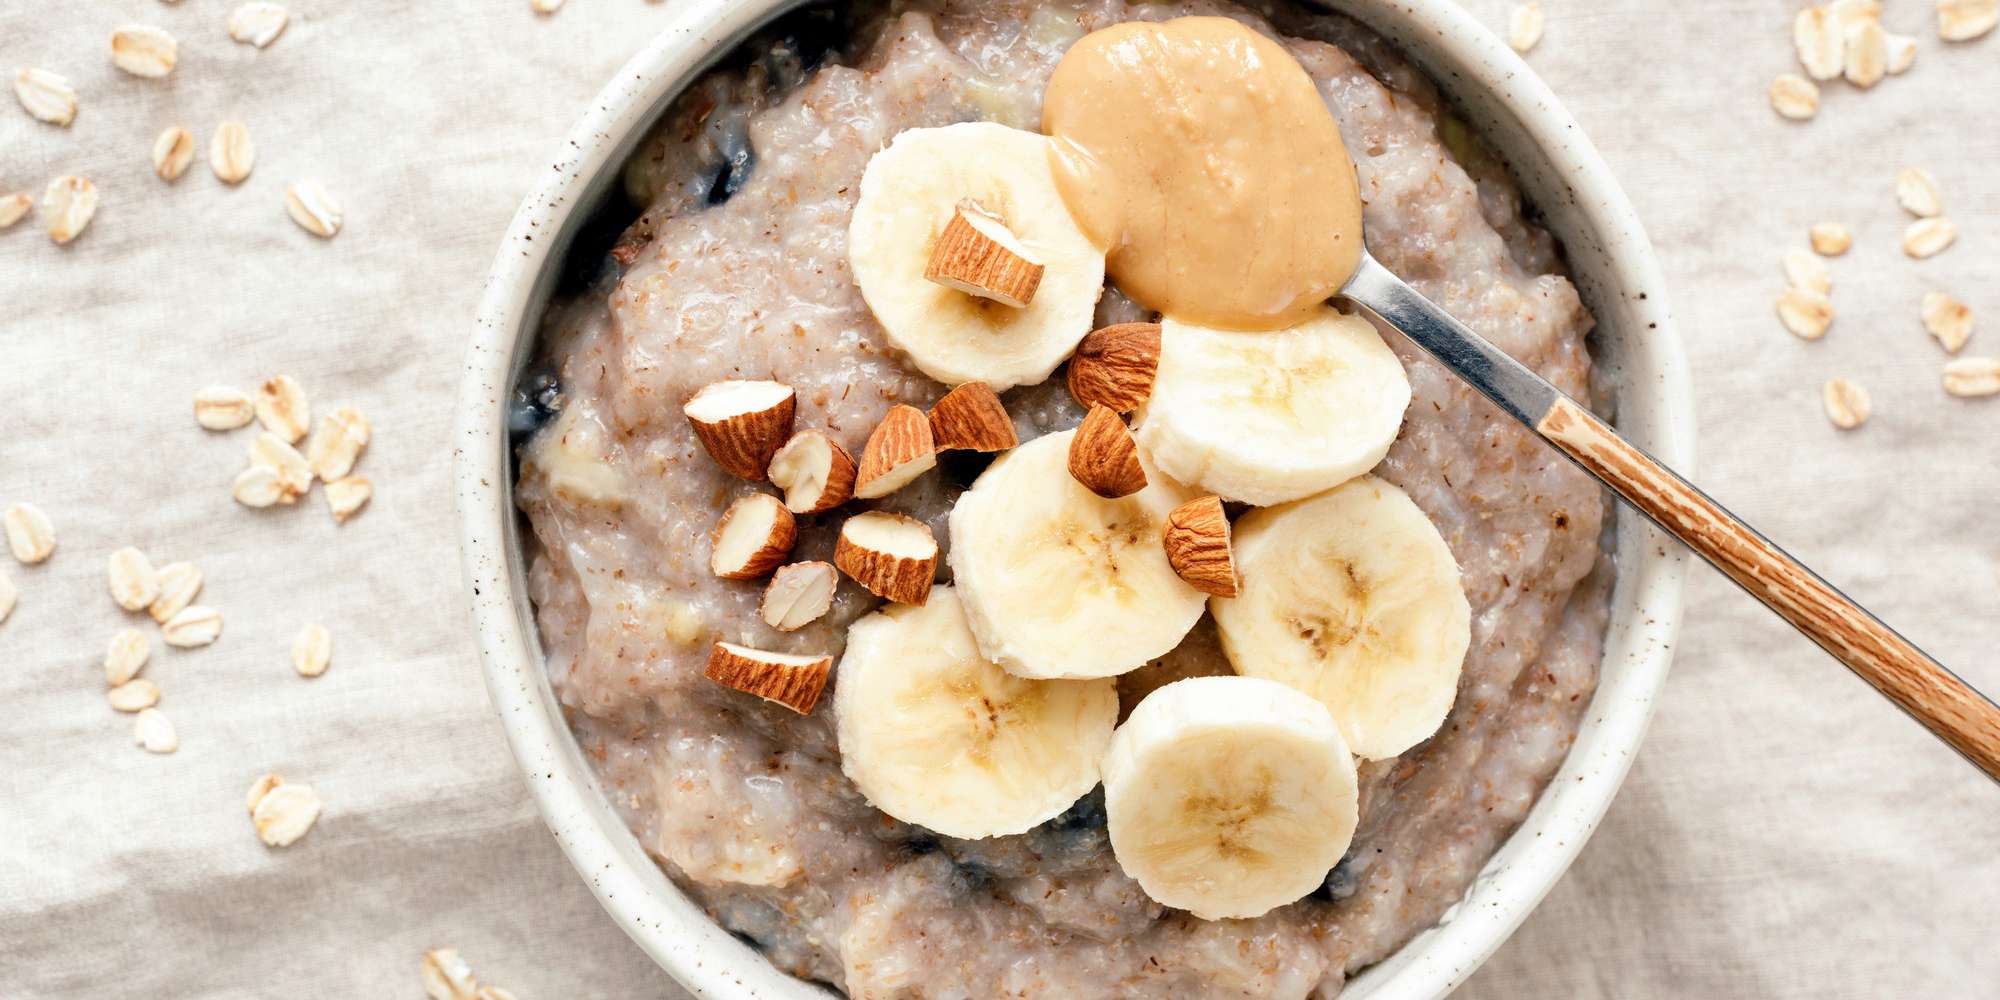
(1951, 709)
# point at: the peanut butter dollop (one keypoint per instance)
(1202, 158)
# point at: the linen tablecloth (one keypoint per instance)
(1785, 833)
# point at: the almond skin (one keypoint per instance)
(792, 681)
(778, 532)
(1103, 457)
(742, 437)
(1197, 541)
(899, 449)
(834, 491)
(972, 418)
(973, 256)
(903, 578)
(1114, 367)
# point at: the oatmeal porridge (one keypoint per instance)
(818, 518)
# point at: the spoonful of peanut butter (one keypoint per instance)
(1201, 157)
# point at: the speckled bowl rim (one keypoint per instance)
(1561, 173)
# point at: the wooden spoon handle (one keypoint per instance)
(1933, 695)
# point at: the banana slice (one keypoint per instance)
(910, 192)
(1059, 582)
(935, 734)
(1352, 597)
(1229, 796)
(1270, 417)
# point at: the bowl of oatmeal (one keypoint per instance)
(759, 492)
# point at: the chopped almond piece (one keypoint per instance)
(1114, 367)
(890, 555)
(972, 418)
(788, 679)
(978, 255)
(1197, 541)
(755, 535)
(815, 472)
(900, 449)
(742, 423)
(1103, 457)
(799, 595)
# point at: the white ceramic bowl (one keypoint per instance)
(1562, 175)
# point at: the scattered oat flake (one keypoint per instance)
(231, 153)
(1948, 319)
(134, 581)
(154, 732)
(1902, 52)
(284, 814)
(446, 976)
(313, 209)
(312, 650)
(1831, 239)
(14, 207)
(143, 50)
(46, 96)
(258, 789)
(1820, 42)
(338, 443)
(1794, 96)
(1805, 313)
(67, 206)
(1917, 192)
(258, 24)
(132, 696)
(179, 583)
(282, 408)
(8, 595)
(126, 656)
(1929, 237)
(1807, 270)
(1972, 376)
(1965, 20)
(1524, 26)
(1846, 403)
(294, 475)
(172, 152)
(221, 408)
(545, 6)
(257, 487)
(196, 625)
(346, 495)
(1867, 55)
(30, 534)
(494, 992)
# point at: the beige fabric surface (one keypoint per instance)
(1784, 834)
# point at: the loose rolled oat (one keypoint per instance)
(196, 625)
(1846, 403)
(143, 50)
(231, 153)
(284, 814)
(1964, 20)
(312, 650)
(15, 207)
(8, 595)
(1807, 270)
(313, 209)
(220, 408)
(346, 495)
(258, 24)
(1917, 192)
(134, 581)
(179, 583)
(1929, 237)
(1831, 239)
(1794, 96)
(1525, 24)
(46, 96)
(172, 152)
(126, 656)
(338, 443)
(257, 486)
(132, 696)
(1971, 377)
(153, 732)
(282, 408)
(68, 204)
(446, 976)
(1947, 319)
(294, 475)
(258, 789)
(31, 536)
